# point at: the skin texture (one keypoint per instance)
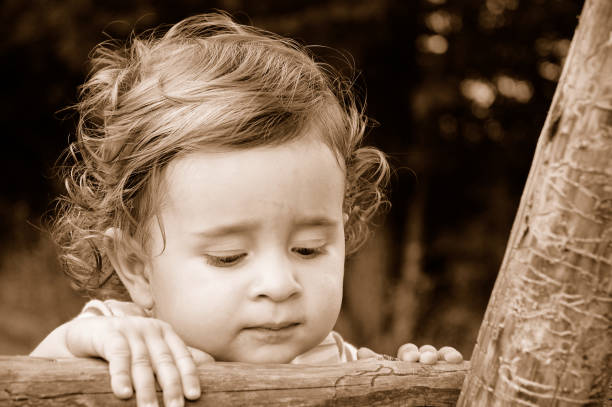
(253, 262)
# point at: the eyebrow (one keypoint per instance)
(316, 221)
(224, 230)
(248, 226)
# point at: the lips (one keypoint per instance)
(275, 326)
(273, 333)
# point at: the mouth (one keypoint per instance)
(275, 327)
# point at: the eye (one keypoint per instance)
(224, 261)
(308, 252)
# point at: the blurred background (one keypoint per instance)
(459, 88)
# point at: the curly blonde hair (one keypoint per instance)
(207, 81)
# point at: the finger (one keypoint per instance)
(428, 357)
(407, 347)
(427, 348)
(185, 364)
(453, 356)
(117, 352)
(142, 373)
(165, 369)
(443, 350)
(410, 356)
(200, 357)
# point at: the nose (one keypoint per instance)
(275, 279)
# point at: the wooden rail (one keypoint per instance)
(28, 381)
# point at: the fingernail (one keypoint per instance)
(410, 356)
(192, 393)
(407, 347)
(176, 403)
(427, 348)
(428, 358)
(443, 351)
(453, 357)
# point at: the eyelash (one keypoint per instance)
(224, 261)
(312, 251)
(229, 261)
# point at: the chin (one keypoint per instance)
(263, 356)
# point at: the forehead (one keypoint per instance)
(299, 178)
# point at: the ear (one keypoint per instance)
(345, 217)
(122, 251)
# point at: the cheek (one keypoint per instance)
(201, 311)
(184, 290)
(326, 289)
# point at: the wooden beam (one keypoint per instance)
(63, 382)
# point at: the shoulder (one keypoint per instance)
(111, 308)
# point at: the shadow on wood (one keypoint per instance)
(54, 382)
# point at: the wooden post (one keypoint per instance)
(27, 381)
(546, 338)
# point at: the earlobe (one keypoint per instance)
(122, 251)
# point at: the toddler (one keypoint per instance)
(216, 184)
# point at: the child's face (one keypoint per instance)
(253, 263)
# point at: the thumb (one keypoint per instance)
(200, 357)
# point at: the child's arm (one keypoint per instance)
(136, 348)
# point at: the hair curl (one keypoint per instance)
(207, 81)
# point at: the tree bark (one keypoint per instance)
(546, 338)
(27, 381)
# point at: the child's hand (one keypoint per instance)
(426, 354)
(138, 349)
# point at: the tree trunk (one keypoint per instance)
(546, 338)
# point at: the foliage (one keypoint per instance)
(460, 89)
